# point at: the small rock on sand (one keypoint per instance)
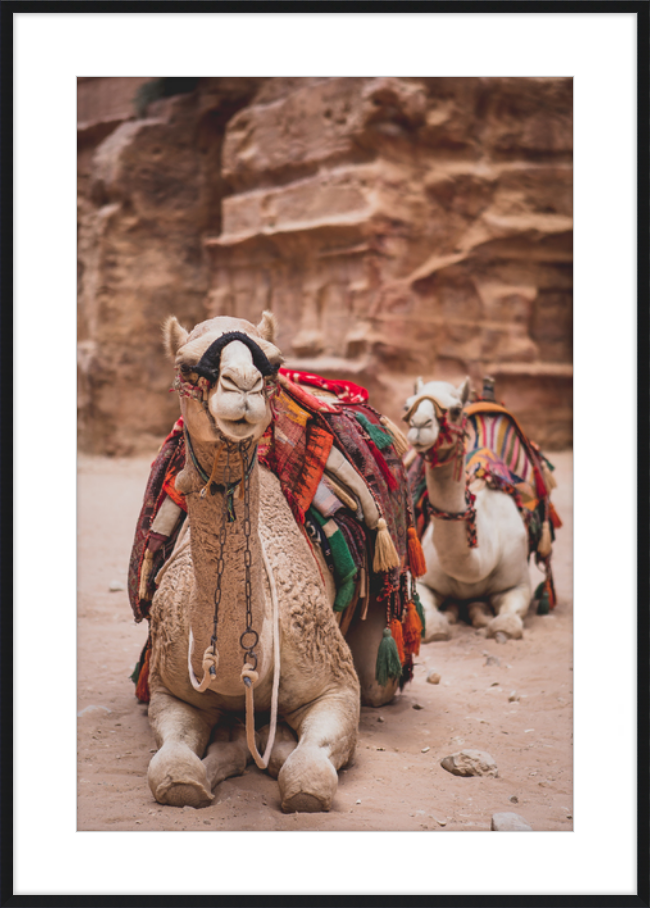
(434, 678)
(115, 586)
(509, 822)
(470, 763)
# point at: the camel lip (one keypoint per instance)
(238, 429)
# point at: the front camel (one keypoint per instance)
(470, 504)
(241, 622)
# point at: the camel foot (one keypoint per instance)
(437, 626)
(479, 614)
(308, 781)
(177, 777)
(510, 625)
(452, 612)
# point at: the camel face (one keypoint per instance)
(233, 377)
(431, 403)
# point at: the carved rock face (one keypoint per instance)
(396, 227)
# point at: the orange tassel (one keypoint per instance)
(412, 630)
(417, 562)
(396, 631)
(142, 687)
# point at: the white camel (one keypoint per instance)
(494, 573)
(242, 621)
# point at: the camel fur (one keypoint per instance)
(492, 579)
(200, 735)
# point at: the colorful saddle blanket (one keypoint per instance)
(296, 447)
(498, 454)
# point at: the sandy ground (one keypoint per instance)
(513, 700)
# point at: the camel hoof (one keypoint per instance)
(479, 614)
(437, 628)
(510, 625)
(304, 803)
(308, 781)
(452, 613)
(177, 777)
(184, 794)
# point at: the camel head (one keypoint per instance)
(225, 371)
(432, 405)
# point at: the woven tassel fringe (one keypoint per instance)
(417, 562)
(549, 479)
(420, 610)
(544, 547)
(398, 636)
(400, 444)
(388, 661)
(381, 439)
(142, 687)
(412, 630)
(145, 573)
(386, 557)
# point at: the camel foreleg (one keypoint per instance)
(510, 609)
(177, 775)
(327, 732)
(436, 622)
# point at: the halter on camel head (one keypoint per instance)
(209, 365)
(449, 434)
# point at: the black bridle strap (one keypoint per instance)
(208, 365)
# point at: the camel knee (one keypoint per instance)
(177, 777)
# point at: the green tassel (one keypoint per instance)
(539, 591)
(418, 608)
(544, 606)
(388, 664)
(381, 439)
(136, 672)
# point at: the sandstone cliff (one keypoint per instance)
(396, 227)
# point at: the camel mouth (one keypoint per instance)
(238, 429)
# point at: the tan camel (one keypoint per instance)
(242, 615)
(494, 573)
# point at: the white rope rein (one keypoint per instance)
(211, 660)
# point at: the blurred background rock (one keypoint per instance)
(396, 227)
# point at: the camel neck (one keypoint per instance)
(220, 536)
(446, 491)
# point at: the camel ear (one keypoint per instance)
(463, 391)
(419, 384)
(268, 326)
(174, 336)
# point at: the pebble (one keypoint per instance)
(434, 678)
(358, 801)
(470, 763)
(514, 697)
(417, 706)
(491, 660)
(425, 750)
(509, 822)
(380, 718)
(189, 807)
(115, 586)
(441, 822)
(500, 637)
(514, 799)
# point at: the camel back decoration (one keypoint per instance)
(340, 468)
